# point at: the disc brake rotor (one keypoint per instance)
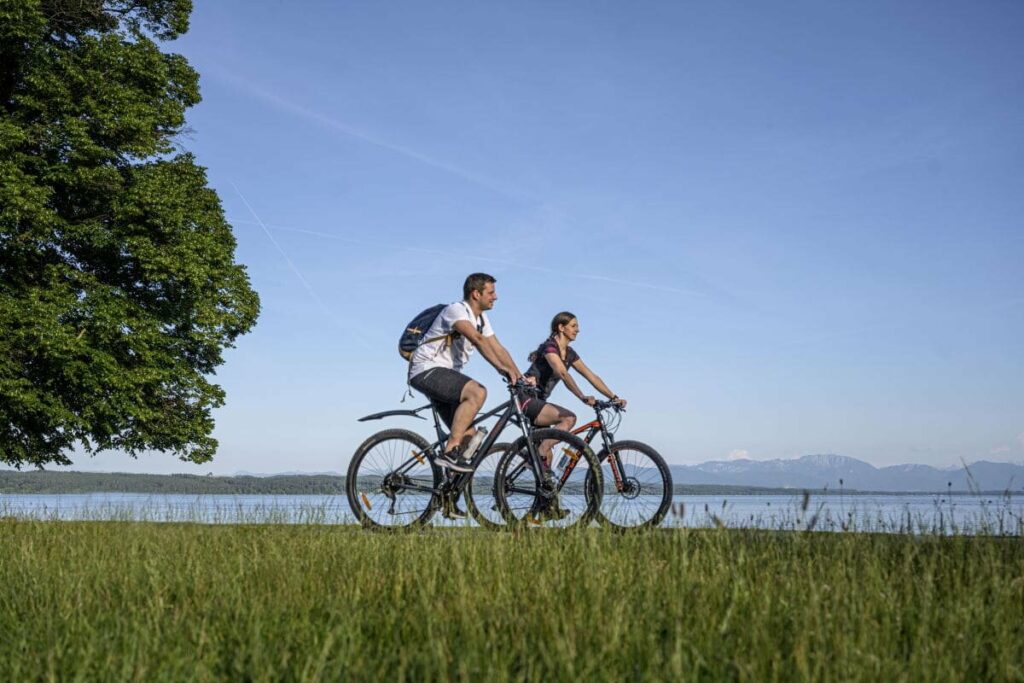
(630, 488)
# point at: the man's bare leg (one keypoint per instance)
(470, 402)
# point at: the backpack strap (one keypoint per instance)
(480, 325)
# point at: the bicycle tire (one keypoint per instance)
(648, 496)
(479, 495)
(366, 490)
(520, 500)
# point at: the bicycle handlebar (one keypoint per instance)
(522, 387)
(608, 405)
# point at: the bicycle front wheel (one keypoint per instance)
(637, 489)
(571, 498)
(391, 482)
(480, 498)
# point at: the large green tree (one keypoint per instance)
(119, 289)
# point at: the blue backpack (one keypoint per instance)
(416, 330)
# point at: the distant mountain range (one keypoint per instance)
(821, 471)
(825, 471)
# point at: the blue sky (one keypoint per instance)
(786, 228)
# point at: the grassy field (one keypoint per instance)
(143, 601)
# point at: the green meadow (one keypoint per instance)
(149, 601)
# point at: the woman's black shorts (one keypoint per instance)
(444, 389)
(531, 407)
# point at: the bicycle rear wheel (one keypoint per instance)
(479, 495)
(576, 498)
(391, 482)
(637, 490)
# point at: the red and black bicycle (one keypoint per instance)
(637, 484)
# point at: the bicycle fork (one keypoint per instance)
(618, 471)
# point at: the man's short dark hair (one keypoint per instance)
(476, 283)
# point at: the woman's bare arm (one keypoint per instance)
(596, 381)
(563, 374)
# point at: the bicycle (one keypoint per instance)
(636, 484)
(639, 491)
(393, 481)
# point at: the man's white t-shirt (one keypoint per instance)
(441, 353)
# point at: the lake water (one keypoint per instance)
(833, 512)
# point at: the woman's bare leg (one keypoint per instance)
(552, 415)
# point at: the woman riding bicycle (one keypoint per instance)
(550, 365)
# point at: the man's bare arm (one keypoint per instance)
(508, 357)
(501, 361)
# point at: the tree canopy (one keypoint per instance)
(119, 289)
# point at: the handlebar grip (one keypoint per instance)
(523, 387)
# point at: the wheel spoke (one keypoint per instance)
(480, 496)
(641, 494)
(575, 501)
(391, 482)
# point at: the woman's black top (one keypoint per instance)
(547, 380)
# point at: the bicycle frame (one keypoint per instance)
(454, 482)
(593, 428)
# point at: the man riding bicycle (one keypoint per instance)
(436, 365)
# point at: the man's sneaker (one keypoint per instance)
(451, 510)
(452, 461)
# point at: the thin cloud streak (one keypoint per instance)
(305, 283)
(353, 132)
(488, 259)
(498, 187)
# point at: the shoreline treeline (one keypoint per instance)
(51, 482)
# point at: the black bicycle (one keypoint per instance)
(393, 481)
(636, 482)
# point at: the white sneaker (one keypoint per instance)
(451, 461)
